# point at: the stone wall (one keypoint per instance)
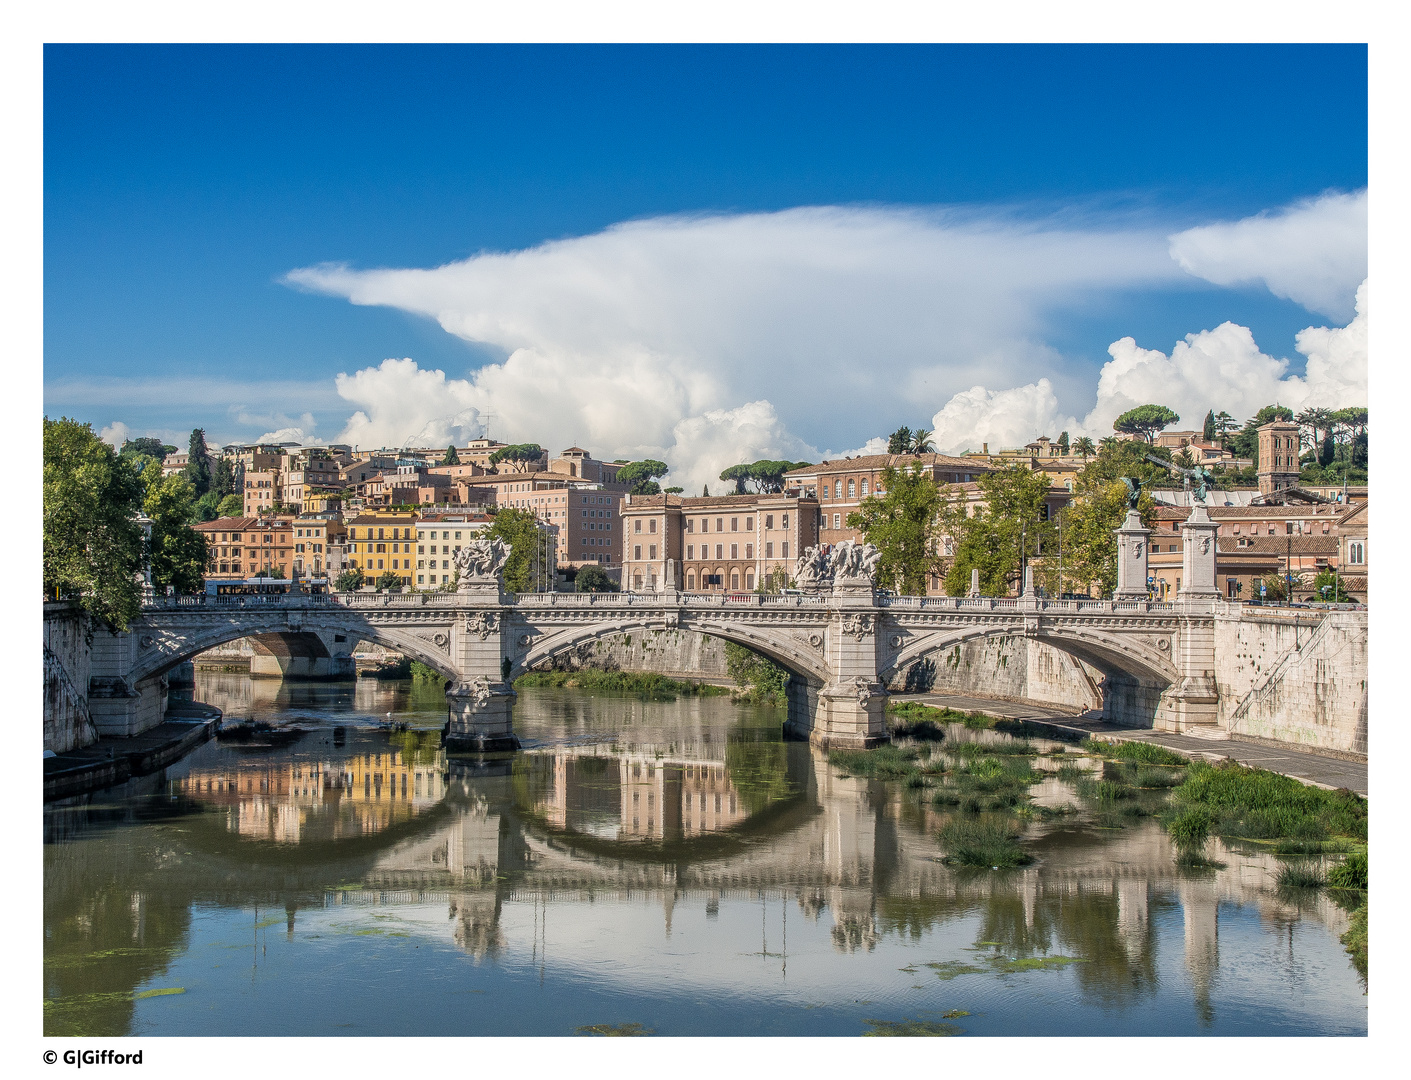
(1010, 668)
(1294, 684)
(67, 665)
(681, 654)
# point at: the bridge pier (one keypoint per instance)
(480, 706)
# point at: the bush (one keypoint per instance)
(992, 843)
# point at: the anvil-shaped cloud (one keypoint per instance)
(707, 340)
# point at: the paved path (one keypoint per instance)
(1322, 770)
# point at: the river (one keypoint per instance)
(653, 867)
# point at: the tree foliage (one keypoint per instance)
(899, 442)
(994, 538)
(517, 454)
(92, 545)
(1145, 420)
(594, 579)
(230, 506)
(641, 476)
(1208, 433)
(451, 457)
(764, 476)
(904, 523)
(348, 579)
(520, 530)
(198, 463)
(764, 680)
(146, 447)
(388, 580)
(1089, 542)
(226, 477)
(176, 553)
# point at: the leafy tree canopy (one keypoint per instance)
(198, 462)
(899, 442)
(517, 453)
(231, 506)
(765, 476)
(641, 476)
(594, 579)
(92, 544)
(226, 477)
(904, 524)
(151, 447)
(451, 457)
(995, 538)
(388, 580)
(519, 529)
(1145, 420)
(1208, 434)
(348, 580)
(176, 553)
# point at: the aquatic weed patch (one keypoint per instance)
(983, 842)
(1351, 873)
(1142, 753)
(909, 1029)
(615, 1030)
(885, 762)
(1264, 805)
(627, 682)
(1303, 874)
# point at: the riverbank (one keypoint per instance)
(111, 761)
(1325, 770)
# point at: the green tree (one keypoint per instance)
(517, 454)
(198, 463)
(231, 506)
(1208, 434)
(922, 442)
(1329, 587)
(451, 457)
(1063, 443)
(520, 530)
(206, 508)
(899, 442)
(1224, 423)
(176, 553)
(1089, 541)
(766, 476)
(348, 580)
(388, 580)
(594, 579)
(92, 544)
(225, 477)
(673, 490)
(641, 476)
(1084, 448)
(705, 491)
(1145, 420)
(995, 538)
(149, 447)
(904, 524)
(764, 680)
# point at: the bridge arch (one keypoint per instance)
(785, 650)
(1136, 673)
(172, 647)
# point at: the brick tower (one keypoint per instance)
(1278, 456)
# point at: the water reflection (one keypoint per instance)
(683, 855)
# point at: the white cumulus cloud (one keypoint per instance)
(115, 434)
(1223, 368)
(1313, 252)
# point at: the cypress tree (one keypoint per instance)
(198, 463)
(1209, 433)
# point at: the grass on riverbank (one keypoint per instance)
(1261, 805)
(1141, 753)
(626, 682)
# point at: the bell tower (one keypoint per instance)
(1278, 456)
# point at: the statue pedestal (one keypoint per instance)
(1198, 542)
(1132, 559)
(480, 717)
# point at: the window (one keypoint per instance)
(850, 488)
(691, 582)
(749, 580)
(690, 551)
(719, 524)
(749, 551)
(652, 551)
(1288, 527)
(785, 525)
(769, 550)
(749, 524)
(734, 584)
(652, 525)
(769, 521)
(837, 489)
(705, 524)
(637, 525)
(784, 550)
(837, 521)
(734, 551)
(1355, 553)
(689, 524)
(637, 551)
(720, 551)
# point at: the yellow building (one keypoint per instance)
(382, 541)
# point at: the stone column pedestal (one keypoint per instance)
(851, 709)
(480, 717)
(1191, 705)
(1198, 555)
(1132, 559)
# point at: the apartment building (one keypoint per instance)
(439, 537)
(713, 543)
(379, 541)
(313, 535)
(262, 491)
(248, 546)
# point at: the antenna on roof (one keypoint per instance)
(487, 417)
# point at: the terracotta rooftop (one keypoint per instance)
(881, 461)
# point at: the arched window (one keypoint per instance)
(691, 582)
(735, 580)
(837, 489)
(851, 491)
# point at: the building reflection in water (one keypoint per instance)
(290, 801)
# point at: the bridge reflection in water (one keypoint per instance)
(682, 822)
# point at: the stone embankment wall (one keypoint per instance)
(1009, 668)
(1293, 683)
(67, 664)
(682, 654)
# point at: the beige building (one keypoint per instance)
(262, 492)
(313, 535)
(713, 543)
(439, 537)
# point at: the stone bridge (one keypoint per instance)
(841, 645)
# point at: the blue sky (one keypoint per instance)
(182, 185)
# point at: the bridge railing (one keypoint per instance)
(1015, 603)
